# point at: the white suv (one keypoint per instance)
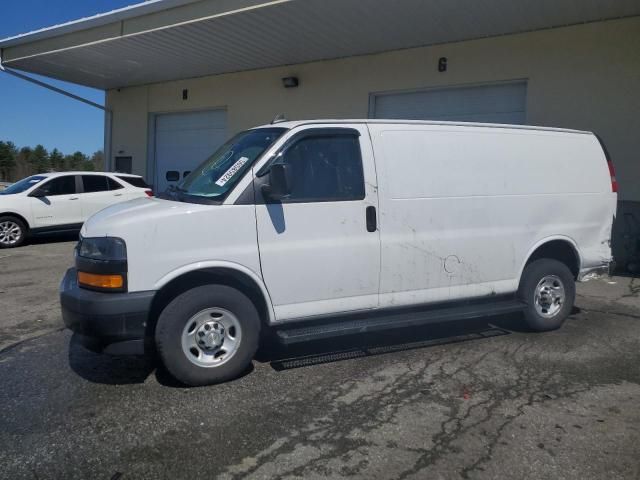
(61, 202)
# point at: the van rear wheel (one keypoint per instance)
(548, 289)
(208, 335)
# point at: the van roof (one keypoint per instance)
(297, 123)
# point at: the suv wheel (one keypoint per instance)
(13, 232)
(208, 335)
(548, 289)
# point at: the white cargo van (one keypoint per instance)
(323, 228)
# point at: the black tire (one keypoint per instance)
(24, 231)
(533, 274)
(173, 321)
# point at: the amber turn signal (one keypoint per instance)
(100, 281)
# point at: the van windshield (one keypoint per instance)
(219, 173)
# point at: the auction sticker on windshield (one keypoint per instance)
(232, 171)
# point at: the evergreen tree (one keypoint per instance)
(56, 159)
(17, 164)
(68, 162)
(97, 159)
(23, 168)
(39, 160)
(76, 161)
(8, 153)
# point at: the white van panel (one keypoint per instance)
(164, 237)
(461, 207)
(455, 162)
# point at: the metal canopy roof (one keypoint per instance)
(174, 39)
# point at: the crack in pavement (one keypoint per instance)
(361, 409)
(611, 312)
(13, 346)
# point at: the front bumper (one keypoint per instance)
(112, 323)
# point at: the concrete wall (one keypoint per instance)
(129, 125)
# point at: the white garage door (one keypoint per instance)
(499, 103)
(183, 141)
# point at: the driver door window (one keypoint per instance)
(325, 169)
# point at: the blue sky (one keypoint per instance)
(30, 114)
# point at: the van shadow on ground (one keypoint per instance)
(385, 342)
(380, 343)
(123, 370)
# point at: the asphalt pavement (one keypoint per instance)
(481, 399)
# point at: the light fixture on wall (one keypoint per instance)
(290, 82)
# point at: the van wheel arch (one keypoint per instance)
(561, 250)
(218, 276)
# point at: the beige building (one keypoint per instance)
(182, 75)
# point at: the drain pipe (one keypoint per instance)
(108, 114)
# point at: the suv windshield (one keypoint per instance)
(217, 175)
(22, 185)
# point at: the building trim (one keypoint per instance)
(99, 20)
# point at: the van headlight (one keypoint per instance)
(102, 248)
(101, 264)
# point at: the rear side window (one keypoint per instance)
(94, 183)
(325, 169)
(135, 181)
(113, 185)
(60, 186)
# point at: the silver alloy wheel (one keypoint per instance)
(549, 296)
(10, 233)
(211, 337)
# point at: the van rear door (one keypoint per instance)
(320, 246)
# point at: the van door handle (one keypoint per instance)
(74, 198)
(372, 221)
(117, 194)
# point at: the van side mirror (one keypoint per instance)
(279, 185)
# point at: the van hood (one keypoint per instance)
(118, 218)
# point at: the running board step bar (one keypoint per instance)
(375, 321)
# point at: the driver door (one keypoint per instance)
(59, 205)
(318, 253)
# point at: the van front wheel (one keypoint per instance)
(548, 289)
(208, 335)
